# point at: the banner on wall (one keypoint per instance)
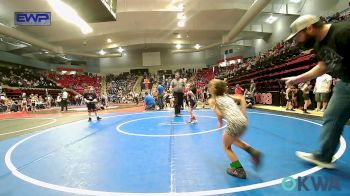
(269, 98)
(264, 98)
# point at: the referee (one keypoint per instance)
(177, 85)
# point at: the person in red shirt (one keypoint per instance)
(239, 90)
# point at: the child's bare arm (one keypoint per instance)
(219, 114)
(287, 92)
(240, 100)
(211, 103)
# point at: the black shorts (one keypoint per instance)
(248, 100)
(192, 103)
(91, 107)
(306, 96)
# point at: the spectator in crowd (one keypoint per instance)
(58, 99)
(136, 98)
(32, 102)
(252, 90)
(290, 93)
(168, 99)
(104, 101)
(306, 88)
(48, 101)
(24, 104)
(322, 91)
(150, 102)
(239, 90)
(160, 91)
(248, 98)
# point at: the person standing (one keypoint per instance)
(177, 85)
(226, 107)
(64, 100)
(331, 43)
(306, 88)
(290, 94)
(239, 90)
(192, 102)
(90, 99)
(160, 90)
(322, 91)
(252, 90)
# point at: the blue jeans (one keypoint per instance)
(160, 101)
(334, 120)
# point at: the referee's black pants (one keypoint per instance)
(178, 101)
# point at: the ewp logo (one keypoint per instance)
(33, 18)
(306, 183)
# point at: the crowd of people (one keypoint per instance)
(27, 103)
(305, 94)
(120, 88)
(337, 17)
(18, 76)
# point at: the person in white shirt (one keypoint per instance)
(64, 100)
(58, 99)
(322, 91)
(48, 101)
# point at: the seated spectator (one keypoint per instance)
(238, 90)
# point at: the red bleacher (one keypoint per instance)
(77, 82)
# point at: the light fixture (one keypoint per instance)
(70, 15)
(179, 36)
(120, 49)
(114, 45)
(295, 1)
(181, 23)
(102, 52)
(109, 40)
(197, 46)
(271, 19)
(178, 46)
(180, 6)
(181, 16)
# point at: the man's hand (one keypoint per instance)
(290, 80)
